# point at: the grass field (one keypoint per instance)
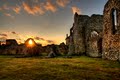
(76, 68)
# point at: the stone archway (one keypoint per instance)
(94, 44)
(111, 32)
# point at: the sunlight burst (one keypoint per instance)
(30, 42)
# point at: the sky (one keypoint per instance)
(46, 21)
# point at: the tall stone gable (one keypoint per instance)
(80, 23)
(111, 30)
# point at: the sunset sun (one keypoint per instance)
(30, 42)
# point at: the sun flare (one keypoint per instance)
(30, 42)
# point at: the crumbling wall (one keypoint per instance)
(67, 40)
(71, 47)
(111, 30)
(62, 49)
(10, 42)
(80, 40)
(93, 36)
(80, 22)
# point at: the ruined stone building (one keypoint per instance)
(111, 30)
(98, 35)
(13, 48)
(85, 35)
(11, 42)
(31, 48)
(94, 36)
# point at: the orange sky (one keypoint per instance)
(46, 21)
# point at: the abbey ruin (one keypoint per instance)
(98, 35)
(85, 35)
(111, 30)
(94, 36)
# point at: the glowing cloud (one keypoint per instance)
(38, 38)
(22, 38)
(3, 35)
(45, 41)
(13, 32)
(50, 7)
(62, 3)
(36, 9)
(76, 9)
(9, 15)
(17, 9)
(50, 41)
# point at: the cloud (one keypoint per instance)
(50, 41)
(36, 9)
(76, 9)
(38, 38)
(62, 3)
(3, 35)
(9, 15)
(13, 32)
(50, 7)
(42, 39)
(17, 9)
(22, 38)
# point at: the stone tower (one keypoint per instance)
(80, 22)
(111, 30)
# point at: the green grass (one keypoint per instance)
(77, 68)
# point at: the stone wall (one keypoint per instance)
(80, 22)
(111, 30)
(98, 35)
(70, 42)
(11, 42)
(80, 40)
(93, 36)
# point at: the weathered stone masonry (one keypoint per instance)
(98, 35)
(93, 36)
(80, 22)
(82, 34)
(111, 30)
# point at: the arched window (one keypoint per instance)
(114, 21)
(94, 34)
